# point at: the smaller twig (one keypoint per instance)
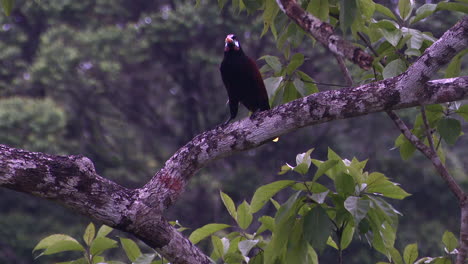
(432, 156)
(428, 130)
(344, 69)
(368, 44)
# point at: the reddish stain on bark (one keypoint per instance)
(171, 183)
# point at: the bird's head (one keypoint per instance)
(231, 43)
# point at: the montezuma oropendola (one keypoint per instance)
(242, 79)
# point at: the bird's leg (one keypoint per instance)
(233, 107)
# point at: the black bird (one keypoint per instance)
(242, 79)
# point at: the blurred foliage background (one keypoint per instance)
(126, 83)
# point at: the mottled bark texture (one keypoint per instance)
(325, 34)
(72, 180)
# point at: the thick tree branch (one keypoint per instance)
(325, 34)
(72, 180)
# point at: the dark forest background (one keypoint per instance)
(126, 83)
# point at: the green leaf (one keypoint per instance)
(284, 219)
(347, 236)
(367, 8)
(272, 84)
(396, 256)
(423, 12)
(89, 234)
(449, 129)
(454, 67)
(246, 245)
(62, 246)
(388, 189)
(458, 7)
(100, 244)
(348, 10)
(324, 167)
(317, 227)
(244, 216)
(407, 149)
(273, 62)
(319, 8)
(268, 223)
(229, 204)
(296, 61)
(104, 231)
(265, 192)
(206, 231)
(463, 112)
(332, 243)
(218, 246)
(145, 259)
(269, 15)
(442, 260)
(405, 8)
(411, 253)
(385, 11)
(131, 248)
(7, 6)
(450, 241)
(290, 93)
(358, 208)
(394, 68)
(344, 184)
(53, 239)
(319, 197)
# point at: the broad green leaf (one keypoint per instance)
(449, 129)
(324, 167)
(394, 68)
(383, 211)
(348, 10)
(269, 15)
(296, 61)
(89, 234)
(104, 231)
(218, 247)
(265, 192)
(252, 5)
(317, 228)
(101, 244)
(332, 243)
(450, 241)
(272, 84)
(62, 246)
(344, 184)
(358, 207)
(347, 236)
(297, 249)
(244, 215)
(145, 259)
(385, 11)
(7, 6)
(405, 7)
(367, 8)
(309, 84)
(319, 8)
(206, 231)
(131, 248)
(388, 189)
(53, 239)
(319, 197)
(388, 235)
(290, 93)
(411, 253)
(407, 149)
(463, 112)
(458, 7)
(423, 12)
(229, 204)
(246, 245)
(284, 219)
(268, 223)
(273, 62)
(442, 260)
(396, 256)
(453, 69)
